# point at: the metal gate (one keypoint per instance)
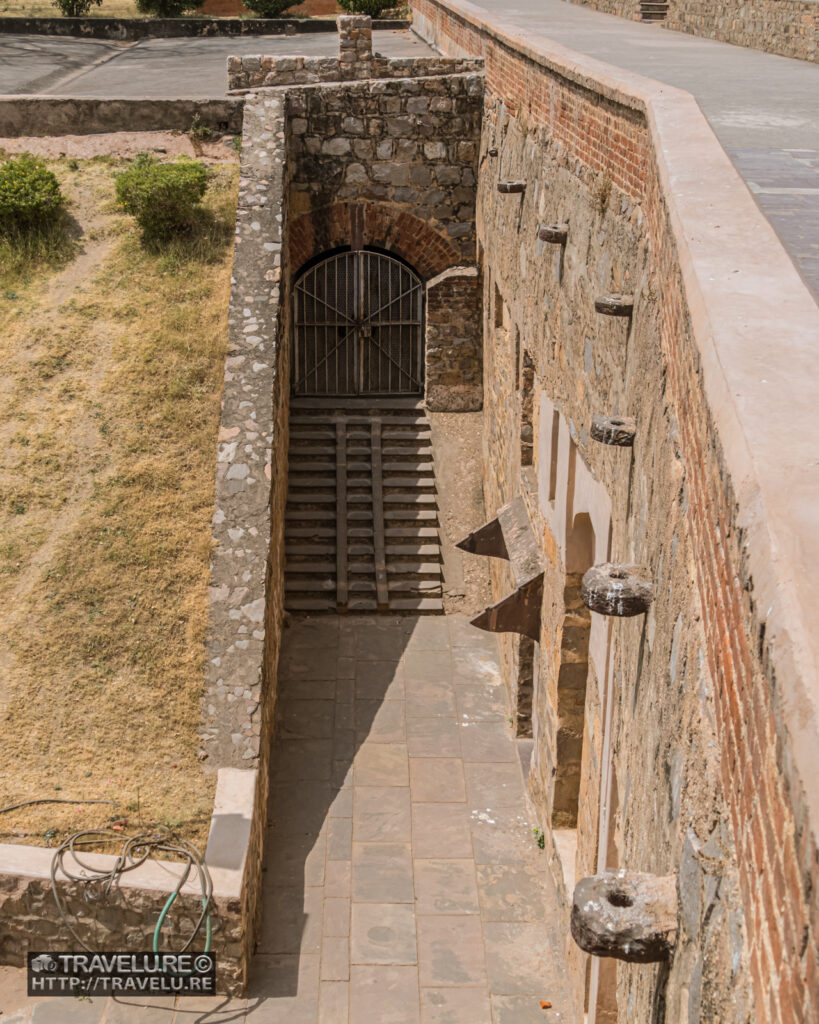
(358, 327)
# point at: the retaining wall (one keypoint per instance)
(701, 721)
(787, 27)
(151, 28)
(63, 115)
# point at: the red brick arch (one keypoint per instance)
(380, 225)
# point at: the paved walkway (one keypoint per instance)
(157, 68)
(764, 109)
(404, 884)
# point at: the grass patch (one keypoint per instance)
(111, 384)
(24, 253)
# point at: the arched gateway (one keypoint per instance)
(358, 327)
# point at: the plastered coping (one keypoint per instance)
(756, 328)
(446, 275)
(225, 854)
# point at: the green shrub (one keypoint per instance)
(167, 8)
(30, 197)
(76, 8)
(164, 198)
(270, 8)
(371, 7)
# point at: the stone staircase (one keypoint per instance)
(653, 10)
(361, 526)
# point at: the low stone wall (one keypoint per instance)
(787, 27)
(247, 564)
(154, 28)
(258, 71)
(62, 115)
(125, 918)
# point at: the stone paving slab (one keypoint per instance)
(403, 883)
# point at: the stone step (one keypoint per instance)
(417, 550)
(414, 569)
(416, 604)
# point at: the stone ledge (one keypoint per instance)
(258, 71)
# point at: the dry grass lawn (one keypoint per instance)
(46, 9)
(110, 377)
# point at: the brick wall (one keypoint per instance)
(702, 764)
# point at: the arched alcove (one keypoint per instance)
(573, 674)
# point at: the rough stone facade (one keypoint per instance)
(787, 27)
(355, 62)
(123, 920)
(247, 567)
(454, 342)
(58, 115)
(392, 164)
(684, 762)
(152, 28)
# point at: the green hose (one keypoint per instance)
(161, 919)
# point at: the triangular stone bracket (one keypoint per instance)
(510, 536)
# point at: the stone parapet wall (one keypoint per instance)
(787, 27)
(157, 28)
(247, 564)
(713, 724)
(256, 72)
(24, 116)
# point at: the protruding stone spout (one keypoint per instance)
(615, 430)
(510, 536)
(511, 187)
(486, 540)
(615, 304)
(554, 233)
(629, 915)
(620, 590)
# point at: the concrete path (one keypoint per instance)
(157, 68)
(404, 884)
(764, 109)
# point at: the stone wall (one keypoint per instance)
(454, 342)
(788, 27)
(247, 563)
(246, 611)
(694, 758)
(125, 917)
(60, 115)
(392, 164)
(153, 28)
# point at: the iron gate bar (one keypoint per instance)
(377, 303)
